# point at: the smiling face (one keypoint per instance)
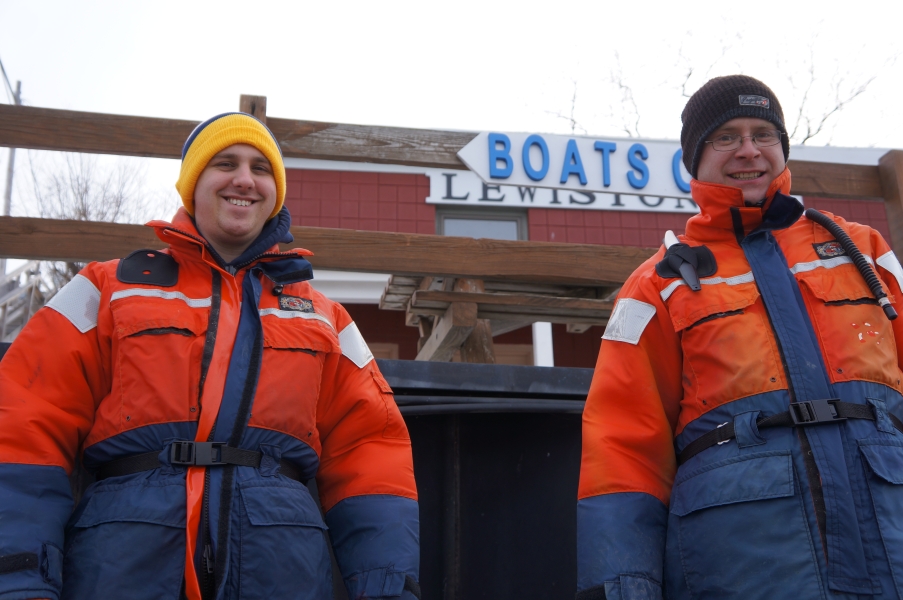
(233, 199)
(749, 167)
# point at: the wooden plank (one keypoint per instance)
(499, 302)
(518, 287)
(75, 131)
(524, 317)
(443, 256)
(524, 309)
(389, 145)
(891, 168)
(527, 318)
(830, 180)
(348, 250)
(500, 326)
(449, 332)
(77, 241)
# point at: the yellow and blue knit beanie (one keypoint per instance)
(217, 133)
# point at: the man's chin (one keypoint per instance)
(754, 195)
(237, 236)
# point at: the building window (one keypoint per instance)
(481, 223)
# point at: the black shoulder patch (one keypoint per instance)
(700, 257)
(148, 267)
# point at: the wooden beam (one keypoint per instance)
(459, 257)
(449, 332)
(831, 180)
(74, 131)
(388, 145)
(425, 302)
(500, 326)
(348, 250)
(75, 241)
(254, 105)
(425, 327)
(891, 168)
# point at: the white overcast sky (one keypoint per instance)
(509, 66)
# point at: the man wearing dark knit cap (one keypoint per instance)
(204, 385)
(742, 434)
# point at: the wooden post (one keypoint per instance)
(449, 332)
(890, 168)
(254, 105)
(425, 326)
(478, 347)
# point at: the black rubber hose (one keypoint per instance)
(868, 273)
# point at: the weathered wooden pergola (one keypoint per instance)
(458, 291)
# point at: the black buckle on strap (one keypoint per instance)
(196, 453)
(813, 412)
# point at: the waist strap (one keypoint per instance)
(801, 414)
(188, 453)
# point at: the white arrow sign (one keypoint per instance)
(623, 166)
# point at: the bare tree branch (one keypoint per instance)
(73, 186)
(839, 103)
(800, 117)
(572, 121)
(629, 116)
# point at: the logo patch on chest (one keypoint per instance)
(829, 249)
(296, 303)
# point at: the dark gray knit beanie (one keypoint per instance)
(720, 100)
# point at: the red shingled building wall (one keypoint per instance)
(358, 200)
(396, 202)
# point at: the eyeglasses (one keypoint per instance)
(731, 141)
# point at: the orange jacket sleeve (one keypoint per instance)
(633, 404)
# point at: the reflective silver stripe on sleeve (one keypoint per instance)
(78, 301)
(628, 320)
(890, 263)
(828, 263)
(735, 280)
(294, 314)
(353, 345)
(151, 293)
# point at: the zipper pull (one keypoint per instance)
(208, 558)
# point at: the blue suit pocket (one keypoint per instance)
(737, 530)
(127, 540)
(742, 479)
(884, 458)
(283, 547)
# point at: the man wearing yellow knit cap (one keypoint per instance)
(204, 385)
